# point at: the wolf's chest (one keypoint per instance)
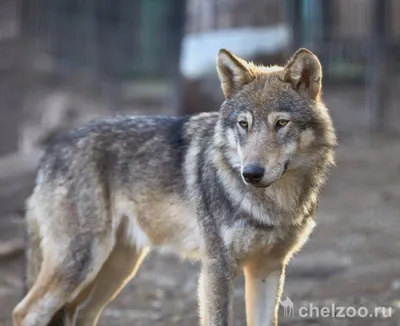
(244, 240)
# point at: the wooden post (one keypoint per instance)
(11, 77)
(295, 21)
(378, 77)
(175, 29)
(324, 44)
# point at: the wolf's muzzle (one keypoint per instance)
(253, 173)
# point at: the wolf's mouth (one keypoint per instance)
(262, 185)
(265, 185)
(285, 167)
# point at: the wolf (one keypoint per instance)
(235, 189)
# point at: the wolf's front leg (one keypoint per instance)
(216, 293)
(264, 285)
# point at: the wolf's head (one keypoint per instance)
(272, 120)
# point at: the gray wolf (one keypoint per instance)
(236, 189)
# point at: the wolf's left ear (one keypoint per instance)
(233, 72)
(304, 72)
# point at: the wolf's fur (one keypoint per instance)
(109, 191)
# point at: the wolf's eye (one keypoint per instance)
(243, 124)
(281, 123)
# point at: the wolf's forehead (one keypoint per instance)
(271, 94)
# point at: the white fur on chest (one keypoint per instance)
(243, 240)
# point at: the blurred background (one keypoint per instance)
(64, 62)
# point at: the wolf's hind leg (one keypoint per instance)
(64, 271)
(119, 268)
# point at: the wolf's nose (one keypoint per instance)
(253, 173)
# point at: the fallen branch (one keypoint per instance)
(11, 248)
(17, 176)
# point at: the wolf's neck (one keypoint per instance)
(287, 201)
(293, 192)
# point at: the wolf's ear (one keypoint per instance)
(304, 72)
(233, 72)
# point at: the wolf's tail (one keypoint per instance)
(33, 262)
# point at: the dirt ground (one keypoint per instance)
(352, 259)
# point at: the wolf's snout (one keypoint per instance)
(253, 173)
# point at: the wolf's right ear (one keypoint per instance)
(233, 72)
(304, 72)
